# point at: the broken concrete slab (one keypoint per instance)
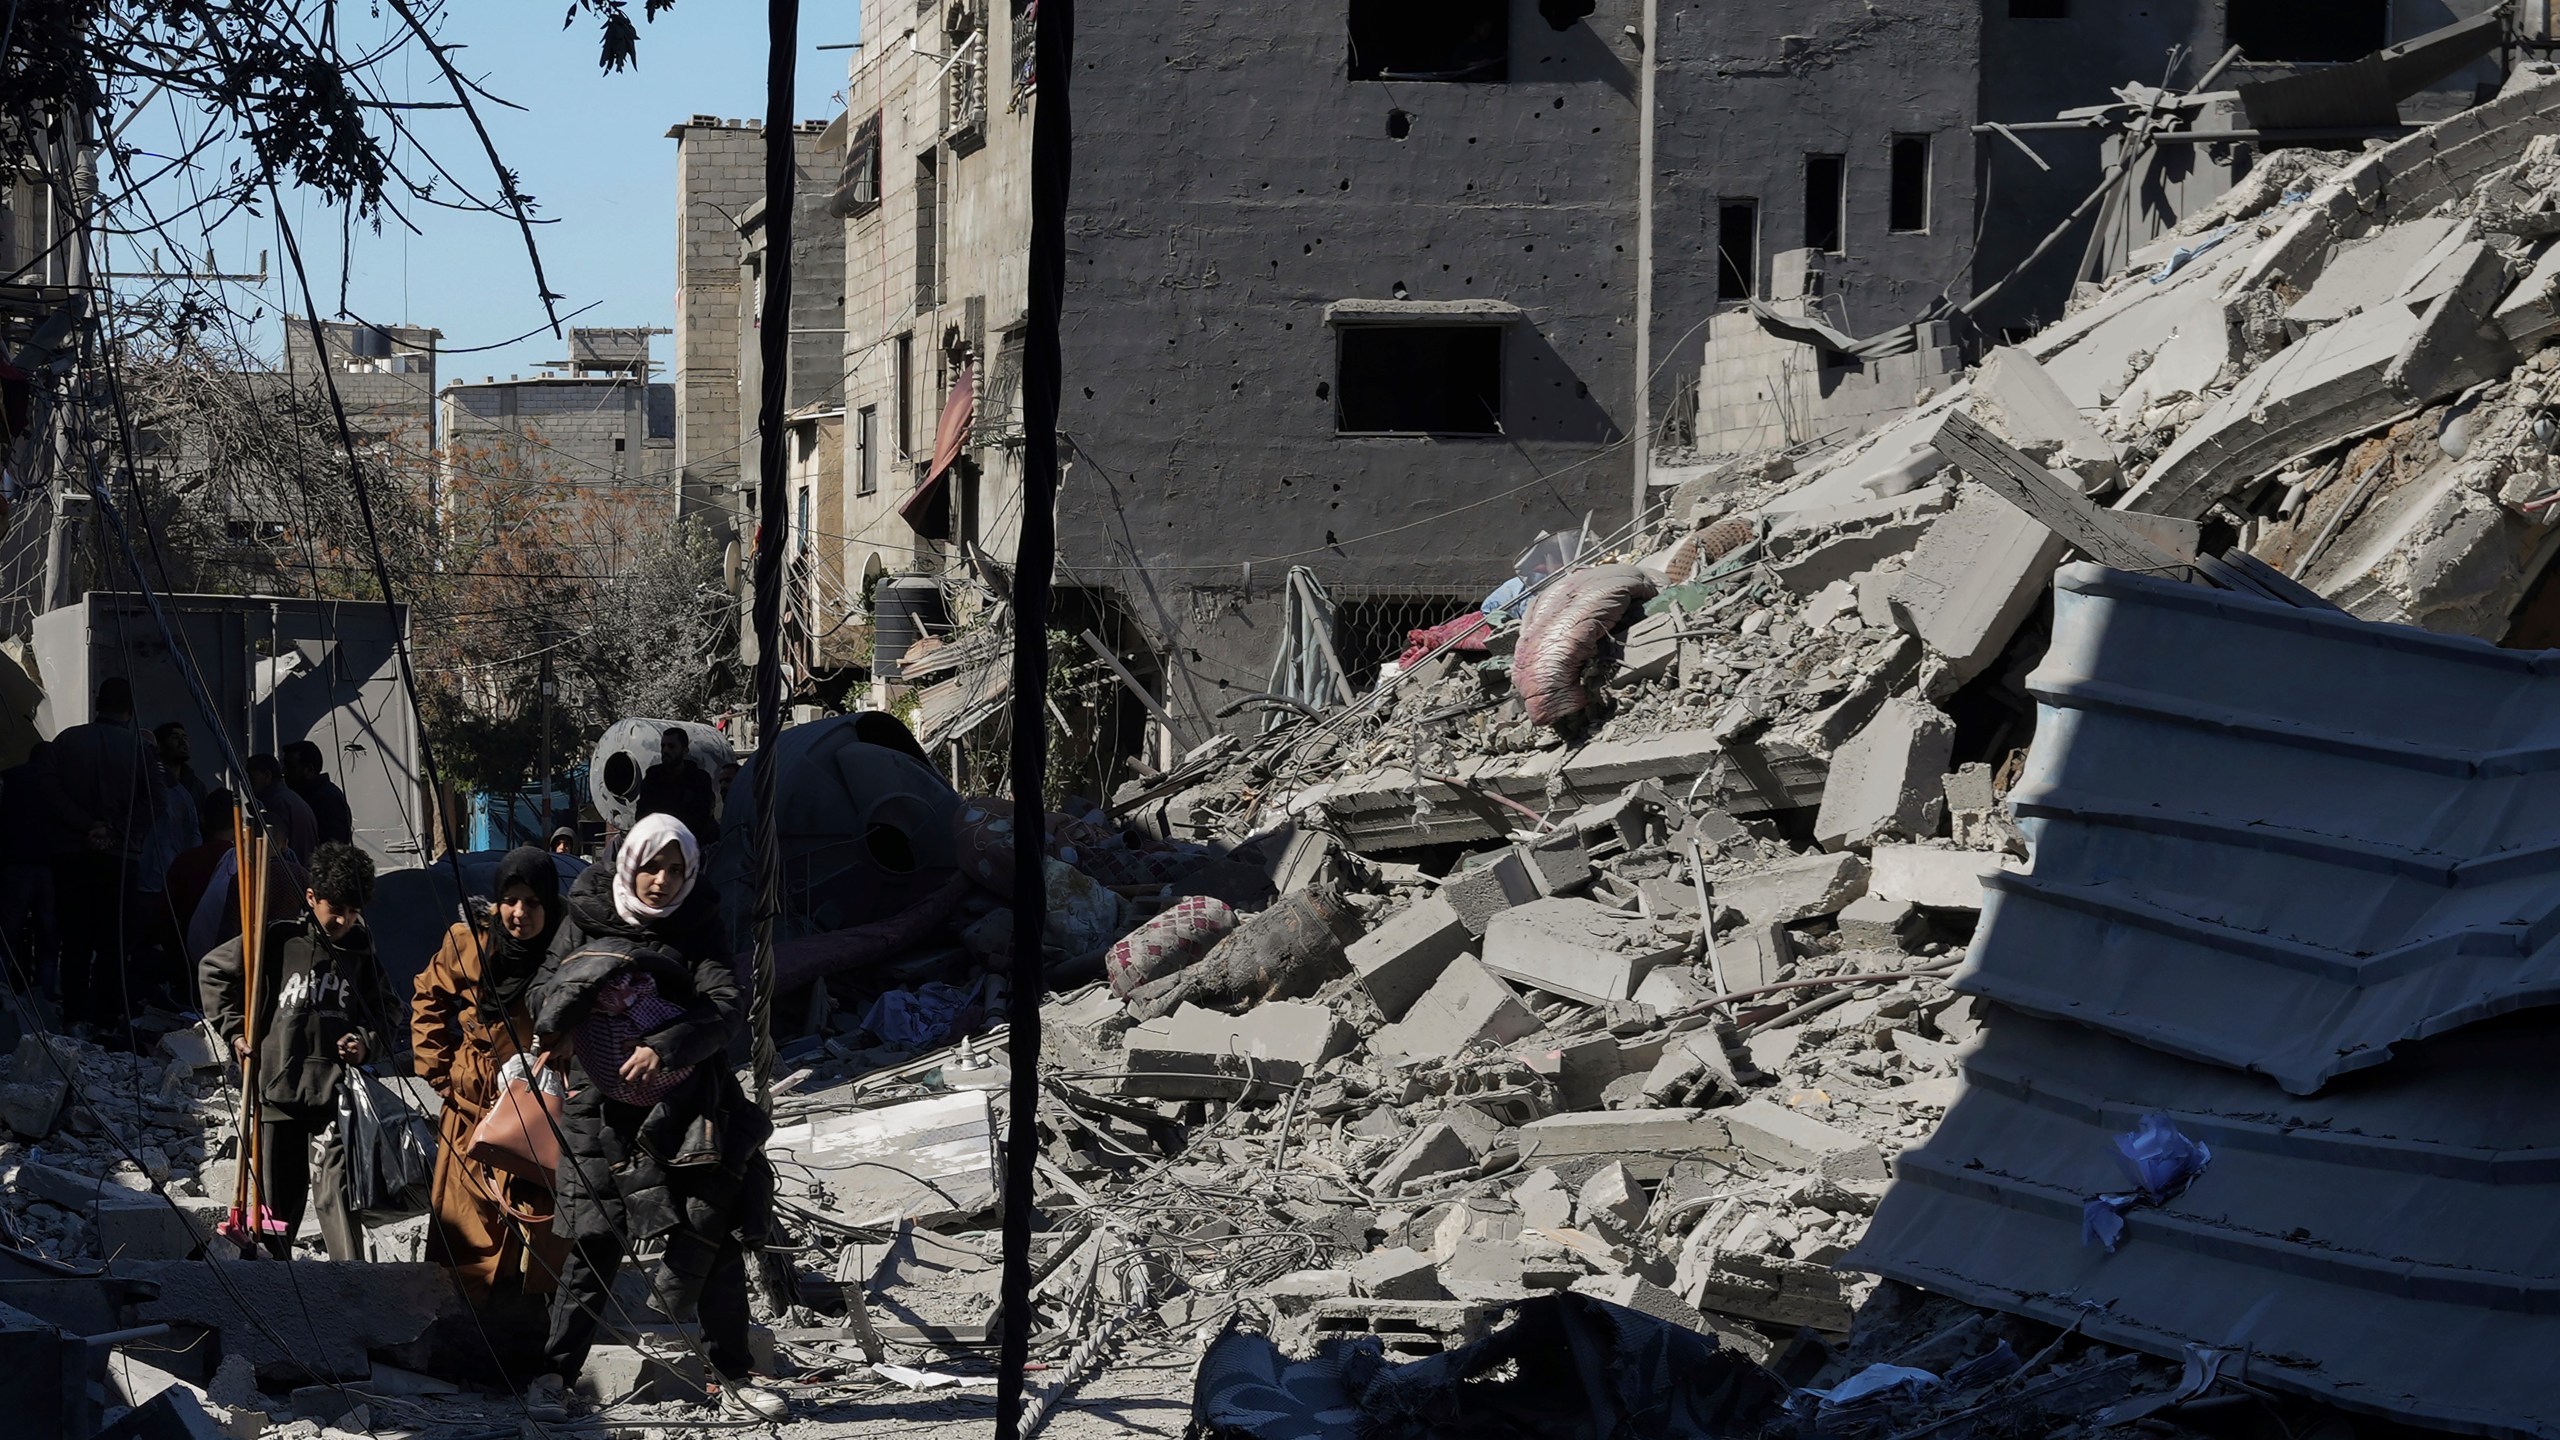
(1652, 648)
(1634, 1292)
(1648, 1140)
(2013, 395)
(1933, 878)
(1467, 1005)
(1872, 922)
(1972, 581)
(1398, 1273)
(1797, 889)
(130, 1224)
(1888, 780)
(1754, 954)
(1575, 948)
(930, 1160)
(1485, 886)
(2372, 270)
(1558, 862)
(1458, 1141)
(1787, 1138)
(2324, 387)
(1403, 955)
(1777, 777)
(1611, 1200)
(1544, 1201)
(299, 1323)
(1670, 989)
(1197, 1054)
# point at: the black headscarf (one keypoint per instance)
(511, 962)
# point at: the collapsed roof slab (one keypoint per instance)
(2408, 178)
(2278, 840)
(2385, 1247)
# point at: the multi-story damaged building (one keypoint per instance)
(719, 198)
(386, 377)
(599, 421)
(1356, 287)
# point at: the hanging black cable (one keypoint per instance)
(773, 504)
(1035, 557)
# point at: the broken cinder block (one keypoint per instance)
(1575, 948)
(1797, 890)
(1466, 1006)
(1197, 1054)
(1888, 780)
(1400, 959)
(1779, 1136)
(1486, 887)
(1933, 878)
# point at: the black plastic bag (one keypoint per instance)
(391, 1148)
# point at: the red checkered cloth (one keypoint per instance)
(1177, 938)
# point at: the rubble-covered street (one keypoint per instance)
(2021, 906)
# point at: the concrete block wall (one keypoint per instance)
(1758, 391)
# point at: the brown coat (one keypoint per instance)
(460, 1057)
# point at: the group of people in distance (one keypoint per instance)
(619, 991)
(116, 869)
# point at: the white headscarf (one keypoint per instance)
(645, 842)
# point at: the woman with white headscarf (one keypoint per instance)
(658, 1140)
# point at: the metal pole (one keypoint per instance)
(1643, 469)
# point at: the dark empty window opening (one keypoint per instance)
(1430, 39)
(1826, 180)
(2039, 9)
(928, 227)
(1418, 380)
(2310, 30)
(1565, 14)
(1737, 250)
(1907, 205)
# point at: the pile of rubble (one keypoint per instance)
(1609, 949)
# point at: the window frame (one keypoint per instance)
(1343, 330)
(1484, 72)
(1839, 202)
(1893, 212)
(1749, 270)
(866, 450)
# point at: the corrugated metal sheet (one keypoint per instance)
(2388, 1246)
(2292, 843)
(2276, 839)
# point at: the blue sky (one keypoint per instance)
(591, 149)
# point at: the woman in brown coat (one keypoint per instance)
(469, 1020)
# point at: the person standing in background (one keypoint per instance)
(305, 772)
(288, 814)
(28, 827)
(106, 789)
(677, 787)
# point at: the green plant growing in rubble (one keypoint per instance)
(1078, 687)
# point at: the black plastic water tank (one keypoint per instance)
(904, 609)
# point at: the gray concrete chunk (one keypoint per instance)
(1197, 1054)
(1973, 581)
(1888, 780)
(1779, 1136)
(1486, 888)
(1936, 879)
(1399, 959)
(1575, 948)
(1797, 890)
(1467, 1005)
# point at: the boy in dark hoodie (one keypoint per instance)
(322, 1005)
